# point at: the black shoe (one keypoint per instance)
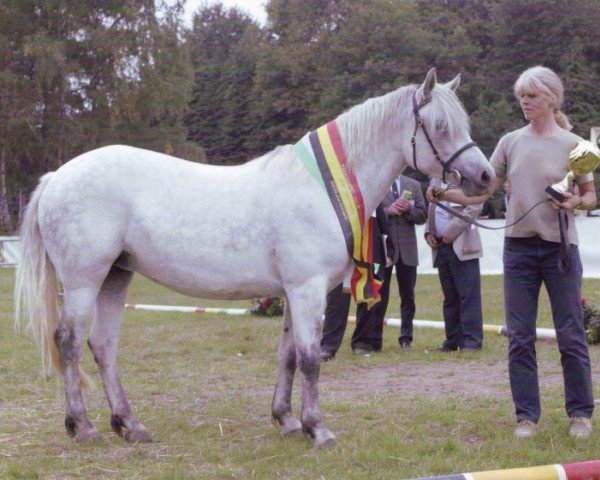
(327, 356)
(404, 345)
(365, 352)
(470, 349)
(445, 347)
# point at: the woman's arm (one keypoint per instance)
(434, 194)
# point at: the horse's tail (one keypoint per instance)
(36, 287)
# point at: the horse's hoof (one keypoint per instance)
(138, 436)
(71, 426)
(324, 438)
(291, 426)
(287, 425)
(88, 436)
(117, 424)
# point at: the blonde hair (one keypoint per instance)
(542, 79)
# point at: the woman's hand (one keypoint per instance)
(434, 194)
(571, 202)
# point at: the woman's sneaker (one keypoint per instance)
(526, 429)
(581, 427)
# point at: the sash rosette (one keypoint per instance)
(323, 154)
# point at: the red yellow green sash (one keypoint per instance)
(322, 152)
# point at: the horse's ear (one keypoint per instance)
(453, 85)
(428, 84)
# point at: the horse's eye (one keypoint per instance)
(441, 129)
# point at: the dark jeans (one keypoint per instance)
(461, 285)
(527, 263)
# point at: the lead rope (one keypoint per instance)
(564, 257)
(458, 214)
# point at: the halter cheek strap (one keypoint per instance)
(445, 165)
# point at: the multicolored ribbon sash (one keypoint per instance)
(322, 152)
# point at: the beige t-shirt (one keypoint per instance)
(531, 164)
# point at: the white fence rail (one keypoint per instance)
(10, 253)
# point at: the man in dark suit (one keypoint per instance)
(405, 207)
(366, 338)
(401, 216)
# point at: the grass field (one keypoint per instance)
(202, 385)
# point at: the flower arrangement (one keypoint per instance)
(591, 321)
(268, 307)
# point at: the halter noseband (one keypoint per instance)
(446, 165)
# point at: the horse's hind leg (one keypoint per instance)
(281, 407)
(77, 307)
(103, 343)
(306, 307)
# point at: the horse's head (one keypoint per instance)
(441, 144)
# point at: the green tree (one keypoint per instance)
(74, 76)
(560, 35)
(288, 78)
(18, 112)
(376, 48)
(223, 46)
(493, 41)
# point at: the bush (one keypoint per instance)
(591, 321)
(268, 307)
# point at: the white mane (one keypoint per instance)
(445, 113)
(369, 126)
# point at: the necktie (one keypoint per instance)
(395, 189)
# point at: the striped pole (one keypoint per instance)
(569, 471)
(175, 308)
(542, 333)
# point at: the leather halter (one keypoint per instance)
(447, 164)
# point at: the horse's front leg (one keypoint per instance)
(306, 306)
(281, 407)
(69, 339)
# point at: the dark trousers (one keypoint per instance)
(406, 277)
(368, 333)
(527, 263)
(336, 319)
(461, 285)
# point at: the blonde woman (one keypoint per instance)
(531, 158)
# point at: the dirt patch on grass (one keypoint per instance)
(455, 378)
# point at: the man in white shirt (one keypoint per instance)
(456, 249)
